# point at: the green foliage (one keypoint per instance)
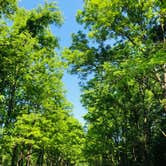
(7, 7)
(36, 126)
(121, 60)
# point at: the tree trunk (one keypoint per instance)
(40, 160)
(11, 104)
(14, 156)
(28, 158)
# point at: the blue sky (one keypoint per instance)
(68, 9)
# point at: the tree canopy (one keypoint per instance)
(121, 59)
(36, 125)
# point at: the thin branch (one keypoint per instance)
(163, 132)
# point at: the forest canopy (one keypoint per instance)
(36, 125)
(119, 56)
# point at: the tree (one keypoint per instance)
(121, 60)
(35, 118)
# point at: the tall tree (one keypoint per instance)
(36, 126)
(121, 60)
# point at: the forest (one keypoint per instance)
(119, 57)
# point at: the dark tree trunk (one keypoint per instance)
(40, 160)
(14, 156)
